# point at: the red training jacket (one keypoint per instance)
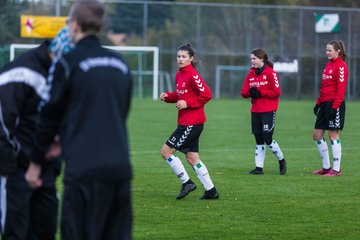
(268, 83)
(192, 88)
(333, 84)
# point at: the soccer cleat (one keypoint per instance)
(257, 171)
(322, 171)
(186, 188)
(210, 194)
(333, 173)
(282, 166)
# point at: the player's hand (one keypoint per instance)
(181, 104)
(32, 175)
(254, 92)
(332, 113)
(316, 109)
(163, 96)
(54, 150)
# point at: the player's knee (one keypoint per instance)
(192, 158)
(333, 134)
(166, 152)
(259, 138)
(317, 136)
(267, 138)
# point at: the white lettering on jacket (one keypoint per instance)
(89, 63)
(27, 76)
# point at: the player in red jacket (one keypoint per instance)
(263, 86)
(330, 108)
(190, 96)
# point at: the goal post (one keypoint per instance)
(155, 67)
(19, 48)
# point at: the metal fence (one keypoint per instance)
(224, 35)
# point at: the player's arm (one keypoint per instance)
(51, 112)
(12, 95)
(274, 90)
(245, 91)
(203, 92)
(341, 76)
(129, 92)
(169, 97)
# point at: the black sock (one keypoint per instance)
(189, 181)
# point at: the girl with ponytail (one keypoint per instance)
(190, 96)
(330, 108)
(262, 85)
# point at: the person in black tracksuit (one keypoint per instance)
(25, 213)
(88, 106)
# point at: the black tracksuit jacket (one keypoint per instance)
(22, 86)
(88, 105)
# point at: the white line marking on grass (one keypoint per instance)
(138, 152)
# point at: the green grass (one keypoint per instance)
(298, 205)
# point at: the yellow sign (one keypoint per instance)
(41, 26)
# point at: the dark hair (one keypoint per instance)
(260, 53)
(187, 47)
(340, 47)
(89, 14)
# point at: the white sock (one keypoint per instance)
(203, 175)
(178, 168)
(324, 153)
(260, 152)
(274, 147)
(336, 152)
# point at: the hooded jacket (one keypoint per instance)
(22, 86)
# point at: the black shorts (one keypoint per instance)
(324, 122)
(263, 122)
(186, 138)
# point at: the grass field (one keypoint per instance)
(298, 205)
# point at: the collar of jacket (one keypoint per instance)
(264, 69)
(88, 40)
(259, 70)
(187, 68)
(338, 59)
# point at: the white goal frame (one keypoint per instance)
(155, 50)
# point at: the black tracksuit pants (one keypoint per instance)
(28, 214)
(97, 211)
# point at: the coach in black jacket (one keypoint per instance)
(88, 105)
(25, 213)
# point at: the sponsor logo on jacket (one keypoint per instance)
(326, 77)
(181, 91)
(258, 84)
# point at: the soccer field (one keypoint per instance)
(298, 205)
